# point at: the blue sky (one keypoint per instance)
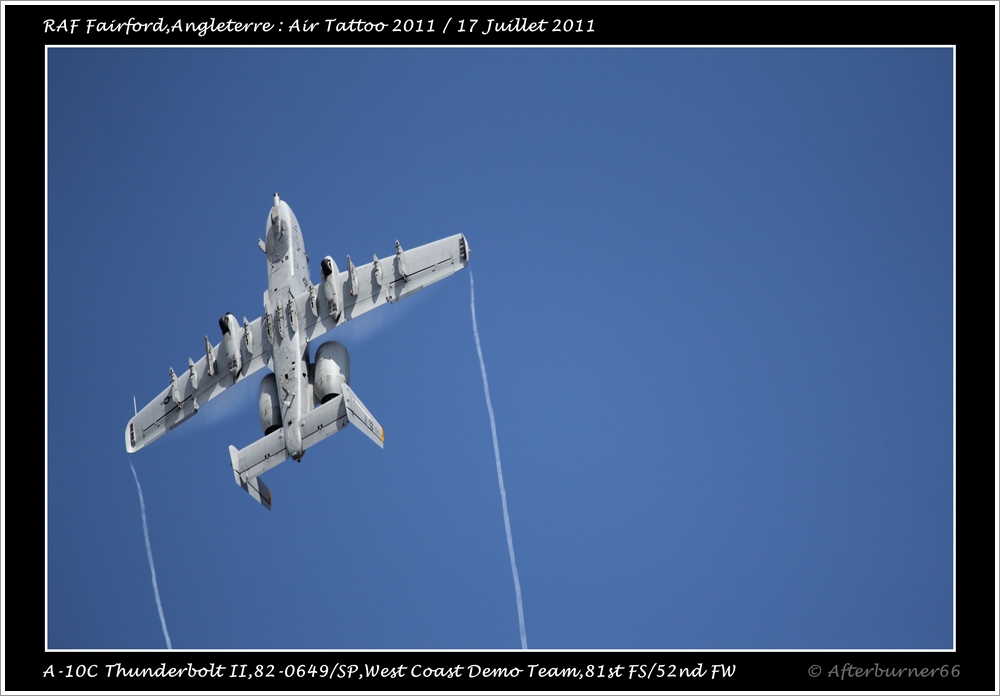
(714, 293)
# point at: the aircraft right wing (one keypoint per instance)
(344, 295)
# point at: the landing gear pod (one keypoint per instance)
(332, 371)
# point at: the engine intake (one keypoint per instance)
(332, 371)
(268, 408)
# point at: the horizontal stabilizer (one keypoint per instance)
(252, 461)
(323, 421)
(259, 491)
(362, 417)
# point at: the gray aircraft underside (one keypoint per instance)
(299, 403)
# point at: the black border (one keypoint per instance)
(970, 28)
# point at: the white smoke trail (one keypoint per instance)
(149, 553)
(496, 451)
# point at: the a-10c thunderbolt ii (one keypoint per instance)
(300, 402)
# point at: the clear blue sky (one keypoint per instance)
(714, 291)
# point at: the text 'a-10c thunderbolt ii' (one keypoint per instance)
(299, 403)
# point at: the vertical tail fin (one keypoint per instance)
(360, 416)
(253, 485)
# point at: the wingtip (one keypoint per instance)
(130, 437)
(464, 250)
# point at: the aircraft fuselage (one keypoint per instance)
(287, 276)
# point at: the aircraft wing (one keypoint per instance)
(363, 288)
(191, 388)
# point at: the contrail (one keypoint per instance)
(149, 553)
(496, 451)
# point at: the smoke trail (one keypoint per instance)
(149, 553)
(496, 451)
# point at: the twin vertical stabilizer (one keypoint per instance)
(253, 485)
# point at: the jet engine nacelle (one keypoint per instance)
(230, 341)
(268, 409)
(332, 371)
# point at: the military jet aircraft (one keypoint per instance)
(299, 402)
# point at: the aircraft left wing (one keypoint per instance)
(201, 382)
